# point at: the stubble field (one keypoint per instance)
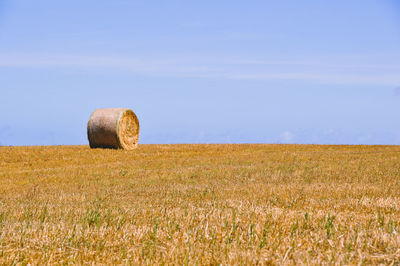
(200, 204)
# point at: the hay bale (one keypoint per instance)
(113, 128)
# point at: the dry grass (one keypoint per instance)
(200, 204)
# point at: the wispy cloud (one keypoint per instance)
(221, 68)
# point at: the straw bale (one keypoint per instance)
(114, 128)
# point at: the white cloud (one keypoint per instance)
(221, 68)
(287, 136)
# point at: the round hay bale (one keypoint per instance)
(113, 128)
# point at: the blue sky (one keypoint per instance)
(325, 72)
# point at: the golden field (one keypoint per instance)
(200, 204)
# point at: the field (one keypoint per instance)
(200, 204)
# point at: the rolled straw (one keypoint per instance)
(113, 128)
